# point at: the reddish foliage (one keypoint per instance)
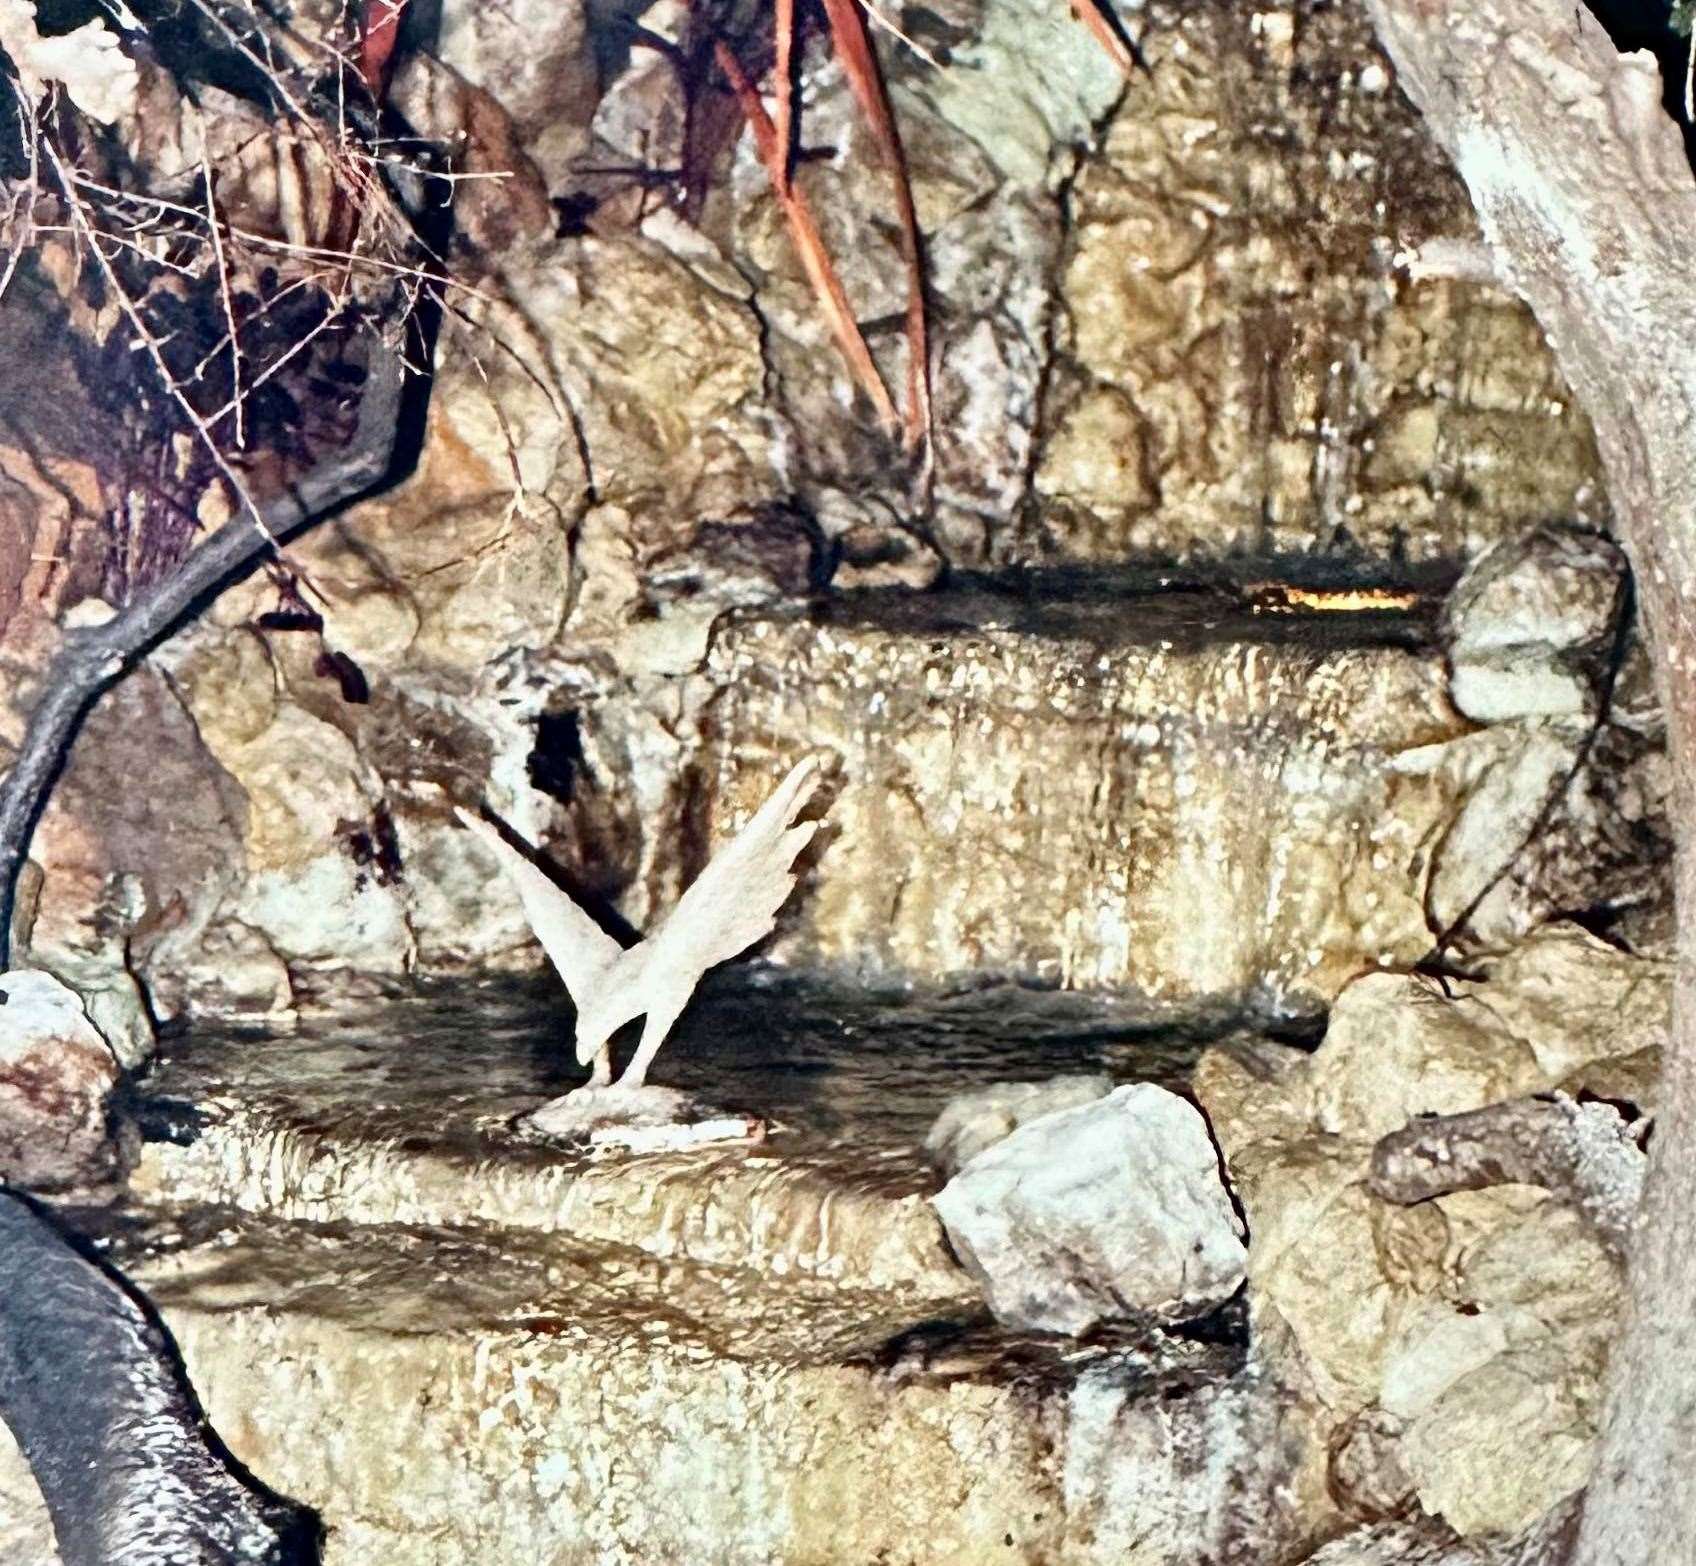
(860, 63)
(1094, 15)
(379, 26)
(809, 245)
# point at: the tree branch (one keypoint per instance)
(92, 660)
(91, 1387)
(1584, 1154)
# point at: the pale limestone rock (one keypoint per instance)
(976, 1120)
(1226, 1473)
(645, 1119)
(1497, 1384)
(422, 1391)
(1230, 292)
(1467, 1334)
(1110, 1210)
(306, 892)
(26, 1531)
(1577, 1001)
(1397, 1047)
(235, 972)
(1335, 1269)
(1291, 792)
(56, 1074)
(534, 59)
(1252, 1090)
(1531, 623)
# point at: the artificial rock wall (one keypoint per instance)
(1226, 316)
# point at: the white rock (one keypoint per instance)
(55, 1075)
(1114, 1209)
(971, 1122)
(1527, 623)
(645, 1119)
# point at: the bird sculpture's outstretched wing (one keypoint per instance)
(734, 901)
(576, 945)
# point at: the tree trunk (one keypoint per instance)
(1586, 199)
(92, 1389)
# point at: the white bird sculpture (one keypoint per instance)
(729, 906)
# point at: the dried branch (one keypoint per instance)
(1093, 14)
(92, 659)
(865, 77)
(1583, 1154)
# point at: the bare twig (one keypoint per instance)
(223, 268)
(93, 658)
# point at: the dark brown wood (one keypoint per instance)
(1583, 1154)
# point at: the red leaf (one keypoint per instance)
(783, 70)
(1094, 16)
(379, 27)
(865, 76)
(809, 245)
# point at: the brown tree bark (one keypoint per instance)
(1585, 1155)
(1587, 202)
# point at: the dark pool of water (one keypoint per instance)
(826, 1061)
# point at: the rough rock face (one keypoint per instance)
(1532, 625)
(1108, 1210)
(1454, 1350)
(977, 1120)
(56, 1074)
(1176, 329)
(398, 1311)
(1254, 353)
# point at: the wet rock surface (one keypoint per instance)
(397, 1312)
(1181, 327)
(1453, 1349)
(1110, 1210)
(977, 1120)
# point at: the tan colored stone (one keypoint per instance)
(1499, 1384)
(1397, 1048)
(1066, 805)
(56, 1074)
(1233, 287)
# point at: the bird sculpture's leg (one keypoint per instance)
(654, 1031)
(601, 1075)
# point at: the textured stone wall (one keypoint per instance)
(1174, 322)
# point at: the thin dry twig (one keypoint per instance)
(221, 263)
(881, 19)
(150, 344)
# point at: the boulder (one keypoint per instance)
(1530, 626)
(971, 1122)
(1450, 1352)
(1114, 1210)
(56, 1073)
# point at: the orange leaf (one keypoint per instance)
(809, 246)
(1093, 14)
(783, 69)
(865, 77)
